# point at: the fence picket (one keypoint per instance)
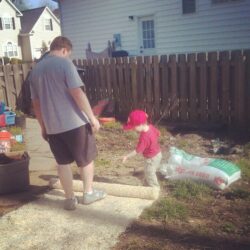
(174, 100)
(164, 86)
(225, 88)
(247, 63)
(193, 90)
(182, 72)
(133, 81)
(149, 91)
(213, 84)
(127, 84)
(7, 71)
(239, 88)
(108, 78)
(140, 83)
(156, 87)
(202, 86)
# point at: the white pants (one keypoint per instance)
(152, 165)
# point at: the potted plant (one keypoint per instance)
(20, 119)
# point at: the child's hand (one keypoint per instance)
(124, 159)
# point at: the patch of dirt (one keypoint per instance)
(221, 223)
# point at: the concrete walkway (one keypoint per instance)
(43, 224)
(41, 157)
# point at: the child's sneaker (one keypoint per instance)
(94, 196)
(70, 204)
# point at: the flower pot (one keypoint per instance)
(14, 173)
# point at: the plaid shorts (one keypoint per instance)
(74, 145)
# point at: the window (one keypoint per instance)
(10, 50)
(48, 24)
(188, 6)
(148, 34)
(223, 1)
(7, 23)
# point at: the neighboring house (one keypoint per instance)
(10, 27)
(146, 27)
(39, 27)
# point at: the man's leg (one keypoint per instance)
(87, 175)
(66, 179)
(89, 194)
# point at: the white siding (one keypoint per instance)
(41, 35)
(213, 27)
(9, 35)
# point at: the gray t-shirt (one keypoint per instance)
(51, 80)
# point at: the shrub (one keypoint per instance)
(4, 60)
(15, 61)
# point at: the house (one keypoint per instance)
(39, 27)
(10, 27)
(147, 27)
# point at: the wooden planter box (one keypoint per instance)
(14, 173)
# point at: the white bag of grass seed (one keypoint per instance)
(214, 172)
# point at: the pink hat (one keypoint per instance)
(135, 118)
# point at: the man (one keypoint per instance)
(66, 119)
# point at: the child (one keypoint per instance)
(148, 144)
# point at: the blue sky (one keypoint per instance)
(38, 3)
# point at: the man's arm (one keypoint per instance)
(83, 103)
(38, 114)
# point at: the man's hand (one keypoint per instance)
(95, 124)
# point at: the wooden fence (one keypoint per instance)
(205, 87)
(12, 78)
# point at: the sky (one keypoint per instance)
(38, 3)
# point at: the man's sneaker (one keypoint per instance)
(70, 204)
(94, 196)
